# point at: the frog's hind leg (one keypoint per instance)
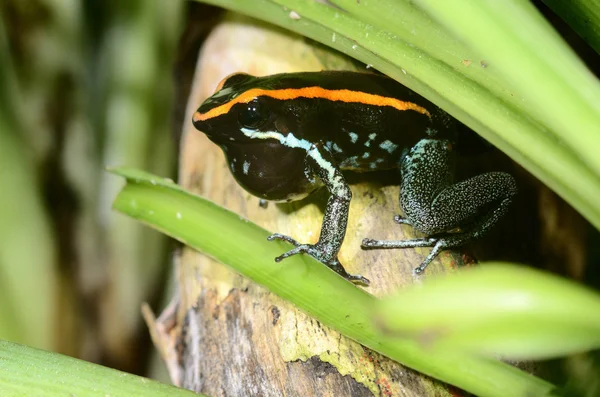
(474, 205)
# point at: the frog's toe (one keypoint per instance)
(278, 236)
(369, 243)
(357, 279)
(402, 220)
(336, 266)
(300, 248)
(413, 243)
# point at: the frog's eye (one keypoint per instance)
(254, 114)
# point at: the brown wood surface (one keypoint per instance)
(226, 336)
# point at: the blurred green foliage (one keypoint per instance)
(84, 85)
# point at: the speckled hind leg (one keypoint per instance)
(434, 205)
(333, 228)
(475, 205)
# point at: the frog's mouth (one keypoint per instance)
(222, 135)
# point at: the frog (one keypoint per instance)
(286, 135)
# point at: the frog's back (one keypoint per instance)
(365, 120)
(336, 80)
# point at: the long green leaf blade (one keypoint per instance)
(502, 310)
(25, 371)
(530, 54)
(305, 282)
(582, 15)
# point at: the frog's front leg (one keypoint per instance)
(434, 205)
(333, 228)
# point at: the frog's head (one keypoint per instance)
(254, 130)
(235, 105)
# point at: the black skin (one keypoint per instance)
(283, 149)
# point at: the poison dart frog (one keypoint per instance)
(286, 135)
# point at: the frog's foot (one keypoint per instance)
(319, 254)
(438, 244)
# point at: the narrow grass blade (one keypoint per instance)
(582, 15)
(29, 303)
(538, 64)
(305, 282)
(25, 371)
(502, 310)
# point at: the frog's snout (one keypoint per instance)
(197, 119)
(199, 123)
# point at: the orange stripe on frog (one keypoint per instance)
(313, 92)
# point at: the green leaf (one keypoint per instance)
(308, 284)
(499, 310)
(25, 371)
(582, 15)
(515, 38)
(24, 223)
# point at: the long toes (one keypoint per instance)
(358, 279)
(419, 269)
(278, 236)
(295, 251)
(337, 267)
(368, 243)
(401, 220)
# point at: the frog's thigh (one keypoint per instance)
(481, 200)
